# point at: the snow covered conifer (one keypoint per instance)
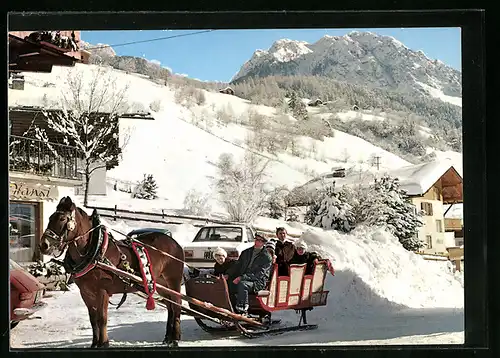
(334, 212)
(298, 107)
(386, 205)
(146, 189)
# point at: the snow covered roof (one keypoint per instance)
(416, 179)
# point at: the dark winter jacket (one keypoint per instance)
(280, 258)
(222, 269)
(258, 272)
(306, 258)
(278, 251)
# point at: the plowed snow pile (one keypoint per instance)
(373, 269)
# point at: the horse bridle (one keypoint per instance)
(69, 226)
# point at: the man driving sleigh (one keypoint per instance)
(250, 273)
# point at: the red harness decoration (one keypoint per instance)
(146, 273)
(104, 247)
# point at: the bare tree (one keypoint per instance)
(91, 106)
(240, 187)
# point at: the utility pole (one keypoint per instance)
(376, 160)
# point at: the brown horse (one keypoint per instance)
(71, 227)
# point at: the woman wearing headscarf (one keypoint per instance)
(302, 256)
(222, 264)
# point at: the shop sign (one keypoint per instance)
(31, 191)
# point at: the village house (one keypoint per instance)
(315, 103)
(429, 186)
(37, 178)
(227, 90)
(43, 170)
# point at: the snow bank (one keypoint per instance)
(373, 268)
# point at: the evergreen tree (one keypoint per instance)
(146, 189)
(387, 205)
(334, 212)
(298, 108)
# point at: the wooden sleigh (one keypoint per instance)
(209, 301)
(298, 291)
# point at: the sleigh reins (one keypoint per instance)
(151, 247)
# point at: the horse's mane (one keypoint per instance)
(83, 213)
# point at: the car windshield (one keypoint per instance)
(219, 234)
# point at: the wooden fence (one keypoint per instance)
(163, 218)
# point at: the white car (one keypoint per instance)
(232, 238)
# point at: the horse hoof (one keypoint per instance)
(104, 345)
(171, 344)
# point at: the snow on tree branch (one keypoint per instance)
(240, 187)
(91, 105)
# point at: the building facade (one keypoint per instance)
(32, 200)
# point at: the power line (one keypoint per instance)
(150, 40)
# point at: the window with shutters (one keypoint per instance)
(426, 208)
(428, 239)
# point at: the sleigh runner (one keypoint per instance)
(131, 266)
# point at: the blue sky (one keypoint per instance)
(218, 55)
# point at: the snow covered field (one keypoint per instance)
(381, 294)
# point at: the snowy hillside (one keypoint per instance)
(181, 144)
(381, 294)
(362, 58)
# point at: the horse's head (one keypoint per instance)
(62, 228)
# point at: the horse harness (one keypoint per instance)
(96, 252)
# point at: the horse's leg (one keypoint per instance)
(168, 327)
(102, 319)
(175, 312)
(90, 302)
(95, 328)
(176, 334)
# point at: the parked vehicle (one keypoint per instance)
(134, 234)
(232, 238)
(26, 294)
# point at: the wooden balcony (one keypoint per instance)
(453, 224)
(32, 156)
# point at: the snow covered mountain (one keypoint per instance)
(361, 58)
